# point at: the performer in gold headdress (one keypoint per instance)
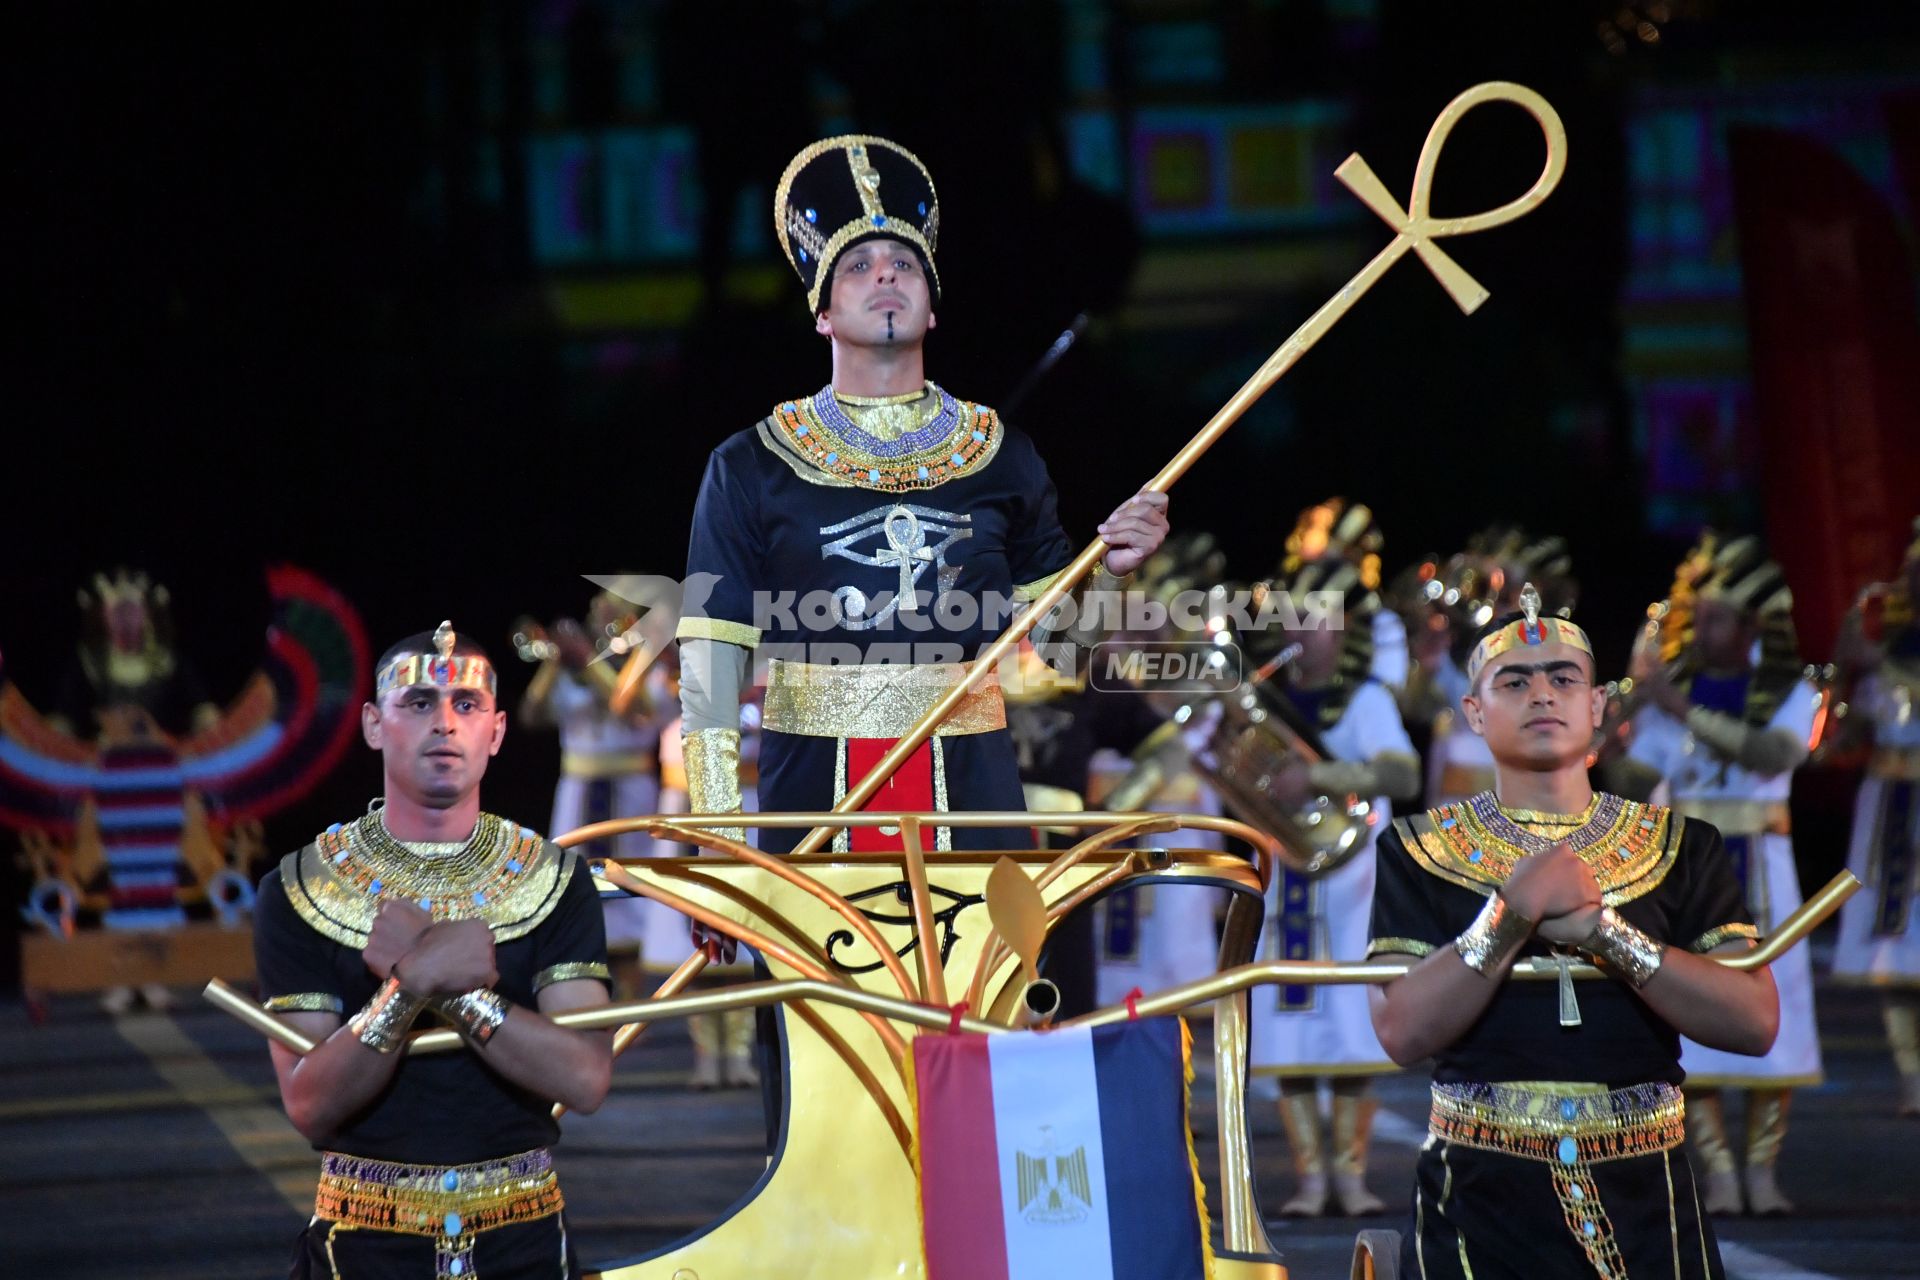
(1879, 942)
(1557, 1121)
(434, 1166)
(1726, 733)
(864, 536)
(1339, 529)
(1306, 1034)
(1447, 603)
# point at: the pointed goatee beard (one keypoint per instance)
(889, 326)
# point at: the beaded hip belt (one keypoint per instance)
(875, 700)
(451, 1204)
(1560, 1124)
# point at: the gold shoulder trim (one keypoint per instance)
(507, 875)
(1399, 947)
(1420, 833)
(571, 972)
(1630, 846)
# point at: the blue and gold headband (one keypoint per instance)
(1528, 631)
(441, 667)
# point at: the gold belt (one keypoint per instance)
(1560, 1123)
(875, 700)
(1895, 764)
(1740, 817)
(594, 766)
(451, 1203)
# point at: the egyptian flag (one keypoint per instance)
(1059, 1153)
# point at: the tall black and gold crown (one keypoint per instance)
(843, 190)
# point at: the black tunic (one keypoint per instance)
(772, 533)
(1481, 1213)
(442, 1108)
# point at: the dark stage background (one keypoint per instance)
(288, 286)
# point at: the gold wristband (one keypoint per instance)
(383, 1024)
(476, 1015)
(713, 774)
(1626, 952)
(1495, 936)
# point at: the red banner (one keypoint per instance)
(1836, 370)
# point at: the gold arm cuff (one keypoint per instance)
(718, 629)
(1495, 936)
(1399, 947)
(476, 1015)
(618, 764)
(877, 700)
(713, 774)
(383, 1024)
(1627, 952)
(306, 1002)
(1719, 936)
(571, 972)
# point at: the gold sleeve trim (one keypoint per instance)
(307, 1002)
(718, 629)
(570, 972)
(1720, 935)
(1399, 947)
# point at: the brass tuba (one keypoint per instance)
(1252, 733)
(1255, 736)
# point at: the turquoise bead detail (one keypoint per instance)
(1569, 1151)
(1578, 1194)
(374, 887)
(1475, 856)
(1568, 1109)
(453, 1224)
(450, 1181)
(457, 1267)
(513, 865)
(1590, 1229)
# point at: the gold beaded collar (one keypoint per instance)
(503, 873)
(1475, 843)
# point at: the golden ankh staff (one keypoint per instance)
(1415, 229)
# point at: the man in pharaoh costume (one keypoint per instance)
(866, 537)
(1447, 603)
(1555, 1145)
(1879, 942)
(1725, 733)
(1304, 1035)
(434, 1165)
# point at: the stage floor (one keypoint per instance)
(153, 1146)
